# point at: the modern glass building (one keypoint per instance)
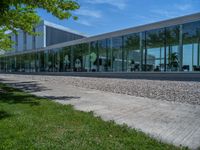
(167, 46)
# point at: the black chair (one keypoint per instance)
(186, 67)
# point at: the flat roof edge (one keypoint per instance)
(137, 29)
(60, 27)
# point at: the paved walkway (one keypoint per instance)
(171, 122)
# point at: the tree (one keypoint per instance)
(21, 14)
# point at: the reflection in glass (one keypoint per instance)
(85, 57)
(132, 53)
(94, 61)
(103, 61)
(56, 60)
(41, 58)
(65, 59)
(77, 58)
(191, 48)
(117, 58)
(155, 50)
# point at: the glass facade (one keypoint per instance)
(169, 49)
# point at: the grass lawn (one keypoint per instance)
(29, 122)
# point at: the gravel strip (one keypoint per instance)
(175, 91)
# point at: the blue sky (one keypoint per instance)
(101, 16)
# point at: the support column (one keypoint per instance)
(180, 48)
(165, 50)
(141, 52)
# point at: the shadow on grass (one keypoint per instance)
(31, 86)
(4, 114)
(15, 96)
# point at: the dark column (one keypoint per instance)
(180, 47)
(165, 50)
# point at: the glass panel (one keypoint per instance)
(50, 61)
(32, 62)
(18, 63)
(109, 55)
(27, 62)
(172, 48)
(41, 57)
(77, 58)
(103, 56)
(117, 54)
(46, 60)
(1, 63)
(56, 60)
(23, 63)
(94, 61)
(81, 57)
(65, 60)
(191, 47)
(37, 61)
(13, 63)
(132, 53)
(155, 50)
(85, 57)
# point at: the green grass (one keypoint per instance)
(29, 122)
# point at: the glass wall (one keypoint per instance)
(105, 63)
(94, 59)
(2, 64)
(56, 60)
(32, 62)
(175, 48)
(22, 66)
(41, 61)
(132, 53)
(172, 48)
(86, 57)
(18, 63)
(155, 50)
(117, 54)
(77, 58)
(66, 59)
(191, 50)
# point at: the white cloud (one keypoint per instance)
(89, 13)
(183, 7)
(165, 13)
(84, 22)
(120, 4)
(174, 10)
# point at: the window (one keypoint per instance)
(132, 53)
(191, 47)
(104, 55)
(16, 42)
(154, 54)
(66, 59)
(94, 60)
(172, 48)
(77, 58)
(25, 41)
(117, 58)
(34, 40)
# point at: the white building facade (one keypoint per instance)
(50, 34)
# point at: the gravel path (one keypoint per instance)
(176, 91)
(186, 92)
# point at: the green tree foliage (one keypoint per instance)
(21, 14)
